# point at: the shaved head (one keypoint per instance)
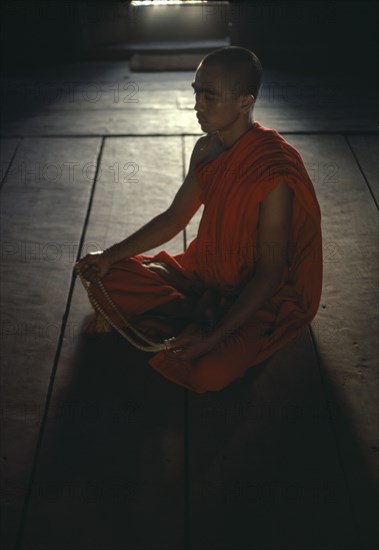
(241, 69)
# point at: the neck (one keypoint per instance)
(229, 136)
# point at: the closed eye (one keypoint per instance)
(207, 97)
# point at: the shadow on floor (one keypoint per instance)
(260, 469)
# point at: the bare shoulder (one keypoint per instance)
(209, 140)
(275, 215)
(279, 200)
(206, 148)
(276, 209)
(202, 141)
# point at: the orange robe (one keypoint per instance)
(223, 257)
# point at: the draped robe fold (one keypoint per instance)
(223, 256)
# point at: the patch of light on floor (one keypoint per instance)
(166, 2)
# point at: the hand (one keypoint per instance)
(192, 343)
(94, 266)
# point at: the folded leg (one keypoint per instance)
(220, 367)
(134, 289)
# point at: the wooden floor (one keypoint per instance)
(98, 451)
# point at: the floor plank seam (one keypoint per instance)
(113, 135)
(360, 167)
(20, 537)
(323, 383)
(10, 163)
(186, 471)
(359, 132)
(186, 468)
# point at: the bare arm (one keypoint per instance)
(273, 232)
(165, 226)
(156, 232)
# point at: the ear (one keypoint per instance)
(247, 103)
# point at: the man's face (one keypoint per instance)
(216, 105)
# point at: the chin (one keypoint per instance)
(206, 127)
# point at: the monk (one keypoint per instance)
(251, 280)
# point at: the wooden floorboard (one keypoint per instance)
(264, 469)
(99, 451)
(113, 444)
(132, 122)
(108, 99)
(41, 226)
(366, 151)
(110, 471)
(105, 123)
(7, 150)
(344, 331)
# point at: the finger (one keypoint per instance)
(90, 265)
(82, 262)
(175, 343)
(94, 271)
(91, 278)
(80, 267)
(169, 343)
(79, 263)
(90, 274)
(172, 348)
(174, 354)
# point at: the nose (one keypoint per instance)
(199, 106)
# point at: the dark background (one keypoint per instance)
(316, 37)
